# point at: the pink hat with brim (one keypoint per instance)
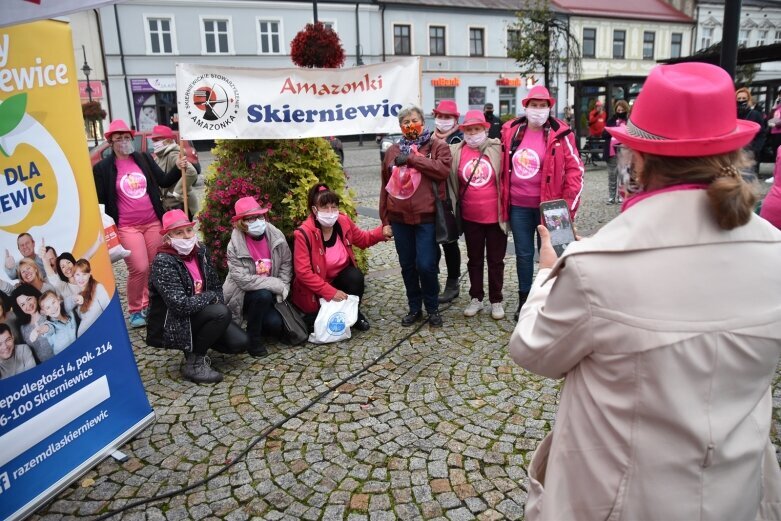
(118, 126)
(686, 110)
(247, 207)
(447, 108)
(474, 117)
(538, 92)
(174, 219)
(162, 132)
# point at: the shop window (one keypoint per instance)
(443, 93)
(619, 44)
(216, 36)
(649, 40)
(476, 97)
(269, 36)
(401, 40)
(589, 42)
(507, 97)
(476, 47)
(676, 45)
(436, 41)
(160, 35)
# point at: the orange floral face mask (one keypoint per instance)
(412, 130)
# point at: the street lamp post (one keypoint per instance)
(86, 69)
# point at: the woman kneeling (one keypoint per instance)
(187, 310)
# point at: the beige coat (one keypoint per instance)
(172, 196)
(668, 331)
(241, 270)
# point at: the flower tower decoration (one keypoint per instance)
(276, 172)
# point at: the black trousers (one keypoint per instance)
(351, 281)
(262, 317)
(452, 259)
(212, 328)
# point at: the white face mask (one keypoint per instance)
(537, 117)
(328, 219)
(159, 146)
(257, 228)
(444, 124)
(475, 140)
(184, 246)
(125, 147)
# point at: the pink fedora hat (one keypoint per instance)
(162, 132)
(118, 125)
(538, 92)
(686, 110)
(474, 117)
(447, 107)
(247, 207)
(174, 219)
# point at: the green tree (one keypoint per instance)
(544, 41)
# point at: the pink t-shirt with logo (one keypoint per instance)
(336, 259)
(261, 254)
(526, 176)
(133, 202)
(479, 203)
(195, 273)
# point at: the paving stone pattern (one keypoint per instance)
(441, 428)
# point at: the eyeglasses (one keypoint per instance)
(121, 139)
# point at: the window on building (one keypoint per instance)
(507, 100)
(476, 42)
(513, 36)
(676, 45)
(443, 93)
(401, 39)
(761, 37)
(589, 42)
(743, 36)
(160, 35)
(649, 39)
(216, 34)
(707, 37)
(436, 40)
(270, 36)
(476, 97)
(619, 44)
(778, 37)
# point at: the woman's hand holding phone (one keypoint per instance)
(548, 255)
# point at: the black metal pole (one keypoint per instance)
(314, 9)
(729, 37)
(86, 70)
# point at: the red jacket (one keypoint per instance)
(596, 122)
(433, 163)
(562, 169)
(309, 259)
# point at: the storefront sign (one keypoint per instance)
(156, 84)
(69, 395)
(509, 82)
(239, 103)
(445, 82)
(97, 90)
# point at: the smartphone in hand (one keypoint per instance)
(556, 218)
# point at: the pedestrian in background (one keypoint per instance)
(748, 112)
(446, 128)
(414, 171)
(541, 163)
(618, 119)
(476, 182)
(495, 130)
(668, 344)
(596, 125)
(166, 152)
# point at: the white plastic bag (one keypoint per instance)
(334, 320)
(115, 250)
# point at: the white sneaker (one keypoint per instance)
(473, 308)
(497, 311)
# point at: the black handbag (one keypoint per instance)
(296, 331)
(445, 224)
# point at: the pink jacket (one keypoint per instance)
(562, 169)
(771, 206)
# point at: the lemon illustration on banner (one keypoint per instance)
(36, 176)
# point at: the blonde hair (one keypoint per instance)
(750, 97)
(731, 198)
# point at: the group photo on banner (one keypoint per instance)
(70, 391)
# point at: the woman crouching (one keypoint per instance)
(187, 310)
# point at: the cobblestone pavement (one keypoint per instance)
(441, 428)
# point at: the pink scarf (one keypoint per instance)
(641, 196)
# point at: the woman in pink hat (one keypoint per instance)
(187, 310)
(446, 129)
(128, 184)
(260, 268)
(324, 260)
(476, 182)
(668, 344)
(541, 163)
(166, 153)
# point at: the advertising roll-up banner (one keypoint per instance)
(70, 391)
(239, 103)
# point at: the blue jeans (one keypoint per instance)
(417, 249)
(523, 222)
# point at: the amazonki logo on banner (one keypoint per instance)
(211, 101)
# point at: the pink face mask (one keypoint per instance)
(475, 140)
